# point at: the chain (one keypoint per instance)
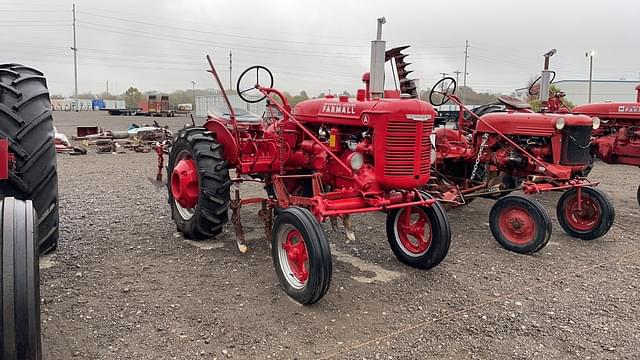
(485, 137)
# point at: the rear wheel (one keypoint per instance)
(19, 281)
(419, 236)
(26, 121)
(301, 255)
(592, 219)
(638, 195)
(199, 184)
(520, 224)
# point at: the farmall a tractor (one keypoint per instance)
(617, 141)
(327, 159)
(28, 205)
(499, 148)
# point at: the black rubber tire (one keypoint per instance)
(638, 195)
(26, 120)
(440, 240)
(19, 281)
(211, 212)
(607, 213)
(540, 216)
(320, 262)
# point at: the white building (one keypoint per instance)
(601, 90)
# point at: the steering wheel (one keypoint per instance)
(247, 86)
(447, 88)
(534, 89)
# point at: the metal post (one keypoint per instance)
(457, 72)
(230, 71)
(193, 87)
(464, 81)
(75, 51)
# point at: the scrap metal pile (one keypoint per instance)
(142, 139)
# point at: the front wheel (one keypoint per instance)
(301, 255)
(520, 224)
(589, 220)
(419, 236)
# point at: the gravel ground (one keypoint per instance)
(124, 285)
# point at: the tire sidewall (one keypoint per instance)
(607, 214)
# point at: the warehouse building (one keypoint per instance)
(601, 90)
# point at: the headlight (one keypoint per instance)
(356, 160)
(560, 123)
(596, 122)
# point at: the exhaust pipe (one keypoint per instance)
(545, 80)
(378, 47)
(638, 94)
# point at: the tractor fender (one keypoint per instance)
(225, 138)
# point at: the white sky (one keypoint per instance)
(316, 46)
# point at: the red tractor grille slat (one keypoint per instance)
(403, 140)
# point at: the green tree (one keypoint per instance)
(132, 97)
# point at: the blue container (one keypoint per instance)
(97, 104)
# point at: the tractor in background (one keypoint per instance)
(503, 147)
(326, 159)
(617, 141)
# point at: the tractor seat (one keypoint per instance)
(243, 117)
(512, 102)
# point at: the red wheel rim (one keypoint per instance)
(413, 229)
(185, 186)
(297, 255)
(517, 226)
(585, 219)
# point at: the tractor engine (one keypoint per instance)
(386, 142)
(560, 141)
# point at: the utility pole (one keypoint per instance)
(75, 55)
(444, 74)
(107, 87)
(466, 57)
(230, 71)
(457, 72)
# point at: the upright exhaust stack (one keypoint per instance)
(376, 72)
(545, 80)
(638, 93)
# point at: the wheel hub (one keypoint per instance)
(518, 226)
(585, 217)
(185, 187)
(412, 233)
(297, 255)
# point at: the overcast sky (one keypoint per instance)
(316, 46)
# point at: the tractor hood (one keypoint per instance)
(528, 124)
(352, 112)
(610, 110)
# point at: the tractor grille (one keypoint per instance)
(403, 139)
(575, 145)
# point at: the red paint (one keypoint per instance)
(184, 183)
(297, 255)
(4, 159)
(517, 226)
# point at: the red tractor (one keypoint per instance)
(326, 159)
(617, 141)
(503, 147)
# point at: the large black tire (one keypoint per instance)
(413, 252)
(211, 212)
(520, 224)
(296, 223)
(26, 120)
(596, 219)
(19, 282)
